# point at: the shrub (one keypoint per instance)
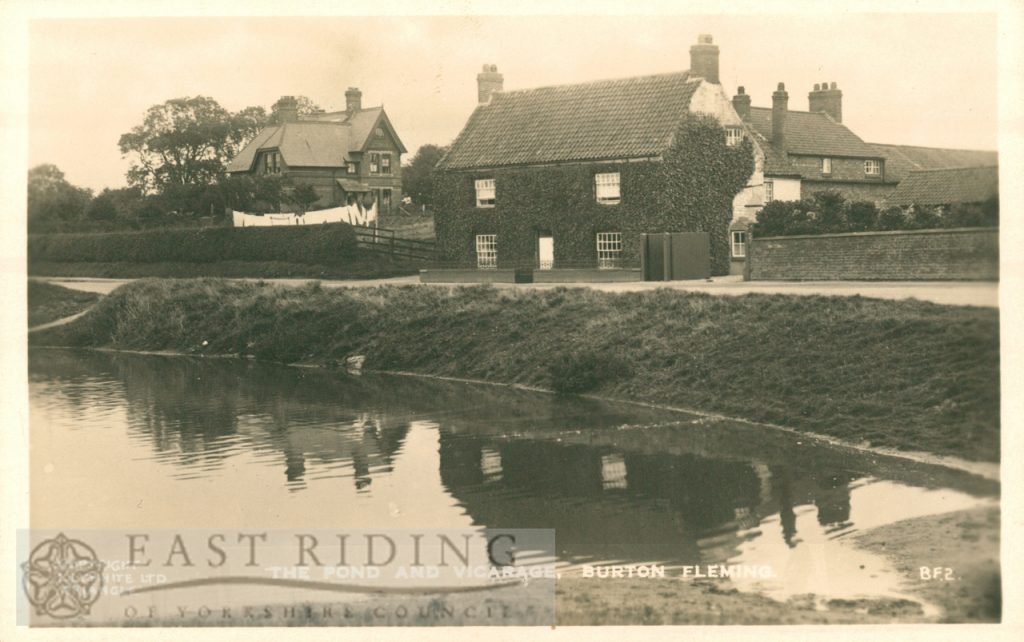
(862, 216)
(319, 244)
(892, 218)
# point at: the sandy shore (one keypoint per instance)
(966, 541)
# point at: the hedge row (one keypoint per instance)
(314, 244)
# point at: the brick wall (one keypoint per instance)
(956, 254)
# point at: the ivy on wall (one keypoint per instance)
(689, 190)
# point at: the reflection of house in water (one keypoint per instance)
(608, 505)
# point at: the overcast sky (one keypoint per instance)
(917, 79)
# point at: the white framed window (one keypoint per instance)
(739, 244)
(271, 163)
(385, 163)
(606, 188)
(351, 168)
(374, 163)
(826, 166)
(485, 192)
(873, 167)
(769, 192)
(609, 249)
(487, 251)
(733, 136)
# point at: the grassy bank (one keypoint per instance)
(361, 266)
(47, 302)
(901, 374)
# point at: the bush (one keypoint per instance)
(319, 244)
(584, 371)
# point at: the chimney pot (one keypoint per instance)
(704, 59)
(287, 109)
(817, 86)
(741, 103)
(487, 82)
(834, 85)
(780, 108)
(353, 100)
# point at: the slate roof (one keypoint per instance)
(603, 120)
(946, 186)
(811, 134)
(903, 159)
(319, 140)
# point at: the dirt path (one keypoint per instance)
(63, 321)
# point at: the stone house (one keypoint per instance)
(345, 155)
(564, 177)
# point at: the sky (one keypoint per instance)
(918, 79)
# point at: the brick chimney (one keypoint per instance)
(487, 82)
(704, 59)
(287, 109)
(741, 103)
(353, 100)
(828, 99)
(780, 105)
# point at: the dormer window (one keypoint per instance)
(872, 168)
(733, 136)
(606, 188)
(485, 192)
(351, 168)
(271, 163)
(826, 166)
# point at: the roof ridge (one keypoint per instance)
(956, 168)
(944, 149)
(595, 82)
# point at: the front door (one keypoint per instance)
(545, 251)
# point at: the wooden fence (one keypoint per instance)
(385, 241)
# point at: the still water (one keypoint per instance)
(121, 440)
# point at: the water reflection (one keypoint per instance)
(194, 442)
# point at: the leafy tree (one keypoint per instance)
(418, 176)
(306, 107)
(186, 141)
(303, 195)
(923, 217)
(52, 199)
(829, 207)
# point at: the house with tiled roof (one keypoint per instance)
(945, 187)
(345, 155)
(560, 177)
(800, 153)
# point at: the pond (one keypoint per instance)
(123, 440)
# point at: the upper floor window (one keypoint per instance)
(271, 163)
(385, 163)
(739, 244)
(769, 192)
(606, 188)
(873, 167)
(733, 136)
(826, 166)
(380, 163)
(379, 131)
(352, 168)
(485, 192)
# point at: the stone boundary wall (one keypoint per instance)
(962, 254)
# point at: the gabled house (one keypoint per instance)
(566, 176)
(345, 155)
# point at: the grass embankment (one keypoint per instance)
(901, 374)
(47, 302)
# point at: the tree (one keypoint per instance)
(186, 141)
(418, 176)
(862, 216)
(52, 199)
(306, 107)
(303, 195)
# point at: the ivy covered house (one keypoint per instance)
(573, 176)
(343, 155)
